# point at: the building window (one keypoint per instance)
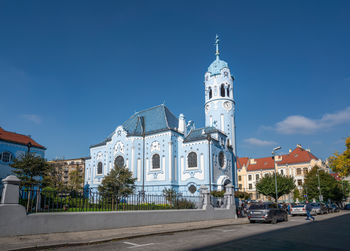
(119, 162)
(306, 171)
(249, 177)
(192, 189)
(221, 159)
(266, 174)
(210, 93)
(156, 161)
(99, 168)
(228, 91)
(192, 159)
(281, 172)
(250, 186)
(239, 178)
(298, 171)
(240, 186)
(7, 157)
(300, 182)
(222, 90)
(257, 177)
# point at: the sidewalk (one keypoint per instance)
(42, 241)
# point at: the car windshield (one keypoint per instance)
(299, 205)
(257, 206)
(315, 205)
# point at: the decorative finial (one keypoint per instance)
(217, 46)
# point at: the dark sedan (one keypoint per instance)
(266, 212)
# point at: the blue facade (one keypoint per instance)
(163, 151)
(10, 149)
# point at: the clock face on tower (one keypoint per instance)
(227, 105)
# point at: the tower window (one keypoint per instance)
(210, 93)
(99, 168)
(228, 91)
(222, 90)
(156, 161)
(192, 159)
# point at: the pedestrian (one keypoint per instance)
(308, 208)
(288, 208)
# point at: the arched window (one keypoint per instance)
(99, 168)
(192, 159)
(222, 90)
(210, 93)
(156, 161)
(119, 161)
(221, 159)
(228, 91)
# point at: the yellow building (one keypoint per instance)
(67, 167)
(297, 163)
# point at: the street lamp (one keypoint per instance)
(274, 162)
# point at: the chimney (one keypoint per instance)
(298, 145)
(308, 150)
(182, 123)
(290, 150)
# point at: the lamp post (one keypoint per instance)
(29, 145)
(209, 140)
(274, 162)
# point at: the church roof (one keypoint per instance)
(156, 119)
(18, 138)
(216, 66)
(200, 134)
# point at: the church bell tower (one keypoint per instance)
(219, 102)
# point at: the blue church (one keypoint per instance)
(166, 151)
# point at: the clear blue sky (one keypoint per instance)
(72, 71)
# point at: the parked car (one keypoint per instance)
(347, 207)
(300, 209)
(266, 212)
(320, 208)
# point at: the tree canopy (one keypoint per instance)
(340, 163)
(331, 189)
(30, 169)
(118, 183)
(266, 185)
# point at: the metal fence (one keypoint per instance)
(35, 200)
(217, 202)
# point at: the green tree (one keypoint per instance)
(329, 186)
(242, 195)
(119, 182)
(53, 177)
(266, 185)
(76, 180)
(30, 169)
(296, 195)
(340, 163)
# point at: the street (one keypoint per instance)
(328, 232)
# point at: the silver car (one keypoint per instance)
(300, 209)
(266, 212)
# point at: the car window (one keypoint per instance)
(257, 206)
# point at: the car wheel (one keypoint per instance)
(274, 221)
(252, 221)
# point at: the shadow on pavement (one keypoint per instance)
(330, 234)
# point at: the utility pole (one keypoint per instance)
(274, 162)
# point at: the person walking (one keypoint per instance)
(308, 208)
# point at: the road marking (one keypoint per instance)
(226, 230)
(134, 245)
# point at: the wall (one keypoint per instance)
(15, 221)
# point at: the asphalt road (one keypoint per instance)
(328, 232)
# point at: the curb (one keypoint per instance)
(100, 241)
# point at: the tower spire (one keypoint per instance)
(217, 46)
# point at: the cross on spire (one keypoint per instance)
(217, 46)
